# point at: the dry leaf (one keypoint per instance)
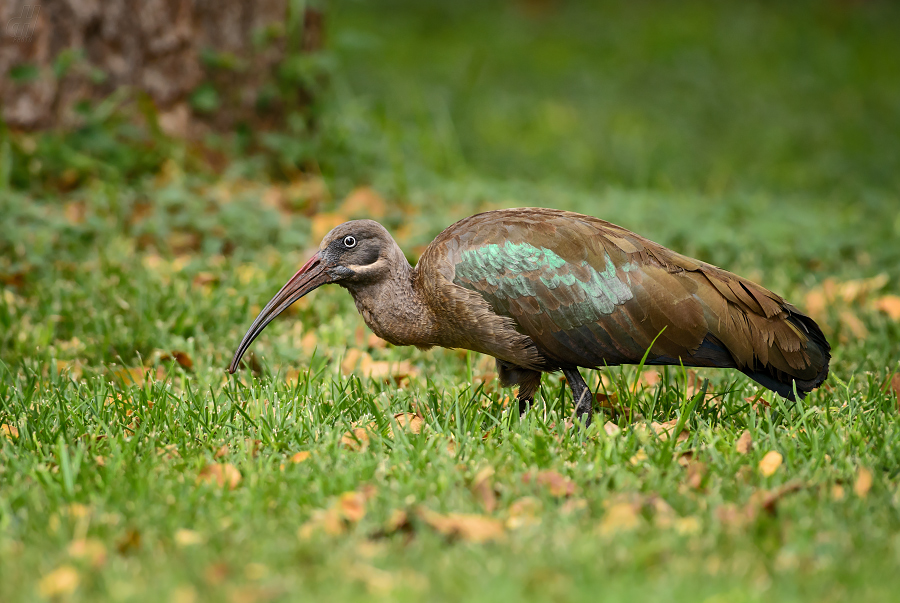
(325, 520)
(223, 474)
(854, 324)
(408, 421)
(744, 443)
(863, 482)
(185, 538)
(483, 489)
(665, 430)
(894, 386)
(364, 202)
(611, 429)
(837, 492)
(88, 549)
(351, 359)
(620, 517)
(61, 581)
(890, 305)
(352, 506)
(695, 474)
(222, 451)
(770, 463)
(399, 520)
(10, 431)
(357, 439)
(322, 223)
(468, 527)
(557, 484)
(524, 511)
(299, 457)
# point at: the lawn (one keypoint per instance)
(334, 467)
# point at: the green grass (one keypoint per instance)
(758, 137)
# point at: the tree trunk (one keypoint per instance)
(55, 55)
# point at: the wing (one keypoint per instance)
(591, 293)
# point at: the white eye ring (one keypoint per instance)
(349, 242)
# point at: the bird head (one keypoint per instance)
(352, 255)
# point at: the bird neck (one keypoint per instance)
(394, 308)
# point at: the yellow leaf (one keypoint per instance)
(483, 489)
(223, 474)
(863, 482)
(364, 202)
(299, 457)
(744, 443)
(10, 431)
(890, 305)
(352, 506)
(524, 511)
(770, 463)
(619, 517)
(89, 549)
(61, 581)
(468, 527)
(322, 224)
(184, 537)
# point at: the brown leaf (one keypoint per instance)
(61, 581)
(222, 451)
(223, 474)
(10, 431)
(665, 430)
(322, 223)
(398, 520)
(394, 371)
(468, 527)
(863, 483)
(770, 463)
(522, 512)
(611, 429)
(364, 202)
(890, 305)
(696, 471)
(410, 422)
(620, 517)
(744, 443)
(88, 549)
(299, 457)
(183, 359)
(129, 542)
(557, 484)
(894, 386)
(854, 324)
(351, 359)
(357, 439)
(483, 489)
(352, 506)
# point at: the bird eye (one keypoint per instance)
(349, 242)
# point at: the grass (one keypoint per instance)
(777, 160)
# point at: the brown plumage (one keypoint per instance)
(544, 290)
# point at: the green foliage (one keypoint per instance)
(760, 137)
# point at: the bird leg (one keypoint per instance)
(581, 395)
(527, 380)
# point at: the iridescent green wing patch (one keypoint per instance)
(509, 271)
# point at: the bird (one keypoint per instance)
(545, 290)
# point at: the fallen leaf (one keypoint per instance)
(61, 581)
(522, 512)
(184, 538)
(696, 471)
(328, 521)
(744, 443)
(410, 422)
(356, 439)
(894, 386)
(863, 483)
(10, 431)
(364, 202)
(483, 489)
(890, 305)
(129, 542)
(837, 492)
(394, 371)
(611, 429)
(183, 359)
(620, 517)
(398, 520)
(557, 484)
(639, 457)
(351, 359)
(299, 457)
(770, 463)
(468, 527)
(222, 451)
(665, 430)
(88, 549)
(352, 506)
(322, 223)
(223, 474)
(854, 324)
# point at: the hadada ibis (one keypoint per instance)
(544, 290)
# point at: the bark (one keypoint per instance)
(158, 47)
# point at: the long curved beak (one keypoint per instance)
(310, 276)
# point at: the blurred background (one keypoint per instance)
(164, 165)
